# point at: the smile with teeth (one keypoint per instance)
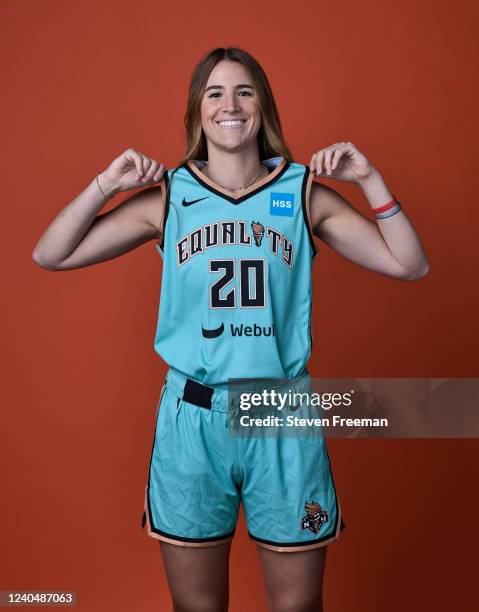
(231, 123)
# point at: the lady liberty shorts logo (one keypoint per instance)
(314, 518)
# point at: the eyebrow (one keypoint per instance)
(221, 86)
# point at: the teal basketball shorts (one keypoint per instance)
(199, 473)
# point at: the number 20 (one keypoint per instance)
(246, 300)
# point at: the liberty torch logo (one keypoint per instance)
(258, 232)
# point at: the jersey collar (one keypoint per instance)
(279, 165)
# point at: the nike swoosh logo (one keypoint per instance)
(213, 333)
(186, 203)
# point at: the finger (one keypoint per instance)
(319, 161)
(137, 159)
(146, 167)
(148, 178)
(311, 163)
(151, 170)
(327, 160)
(159, 173)
(338, 153)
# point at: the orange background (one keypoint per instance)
(86, 80)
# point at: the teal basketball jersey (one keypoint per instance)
(235, 298)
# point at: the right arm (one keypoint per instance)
(79, 236)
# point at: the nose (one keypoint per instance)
(231, 102)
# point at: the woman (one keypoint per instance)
(234, 223)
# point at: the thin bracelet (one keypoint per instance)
(385, 207)
(394, 210)
(99, 187)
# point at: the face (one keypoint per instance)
(230, 113)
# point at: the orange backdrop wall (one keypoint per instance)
(83, 81)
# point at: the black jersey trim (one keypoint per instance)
(342, 525)
(305, 212)
(192, 540)
(167, 208)
(143, 520)
(148, 502)
(331, 534)
(302, 543)
(314, 248)
(328, 536)
(242, 198)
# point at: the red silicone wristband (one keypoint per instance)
(386, 207)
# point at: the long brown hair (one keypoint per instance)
(271, 142)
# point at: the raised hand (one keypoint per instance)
(130, 170)
(341, 161)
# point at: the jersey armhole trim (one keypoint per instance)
(165, 192)
(305, 203)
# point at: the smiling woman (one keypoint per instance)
(237, 244)
(234, 224)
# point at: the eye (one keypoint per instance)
(243, 92)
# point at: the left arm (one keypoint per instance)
(390, 246)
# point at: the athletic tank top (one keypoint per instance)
(235, 297)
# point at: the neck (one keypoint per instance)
(233, 170)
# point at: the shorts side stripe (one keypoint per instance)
(162, 535)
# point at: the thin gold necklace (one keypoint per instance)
(263, 168)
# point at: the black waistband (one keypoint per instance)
(196, 393)
(202, 395)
